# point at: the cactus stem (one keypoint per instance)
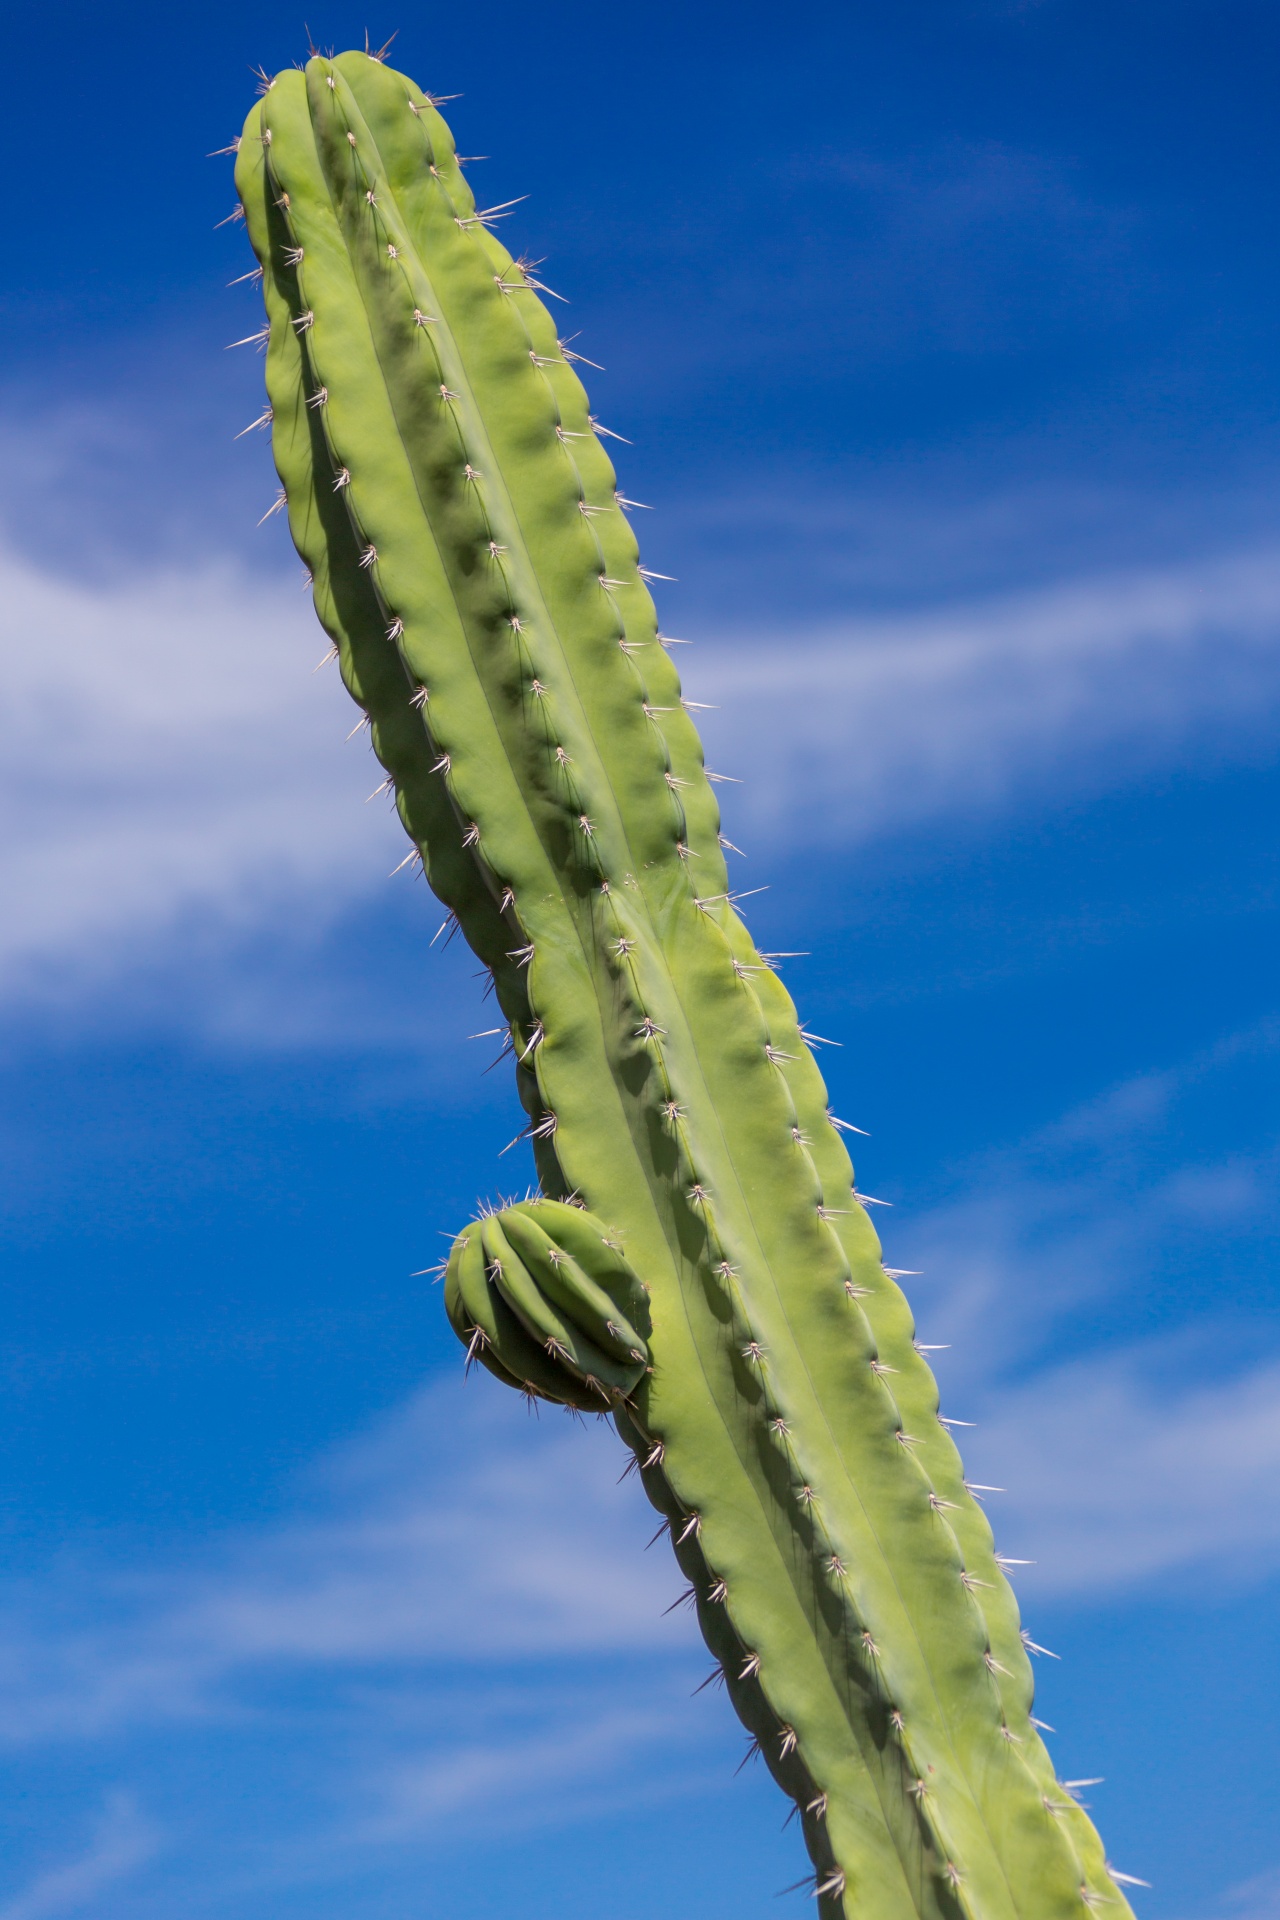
(409, 453)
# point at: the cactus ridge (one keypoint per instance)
(473, 563)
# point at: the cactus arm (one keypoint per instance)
(494, 1335)
(558, 1274)
(471, 560)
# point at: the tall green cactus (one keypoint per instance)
(724, 1297)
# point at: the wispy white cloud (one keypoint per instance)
(1116, 1478)
(1034, 1235)
(457, 1631)
(1137, 1454)
(176, 773)
(455, 1616)
(464, 1529)
(170, 757)
(872, 725)
(123, 1841)
(1256, 1899)
(461, 1531)
(584, 1752)
(460, 1534)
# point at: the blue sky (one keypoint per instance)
(946, 338)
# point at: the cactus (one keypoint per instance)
(699, 1264)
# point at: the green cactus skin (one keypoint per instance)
(474, 566)
(543, 1297)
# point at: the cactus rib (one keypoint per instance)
(473, 563)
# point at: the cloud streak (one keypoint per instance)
(1127, 1454)
(175, 771)
(1116, 1479)
(872, 726)
(170, 757)
(455, 1628)
(459, 1533)
(124, 1842)
(1256, 1899)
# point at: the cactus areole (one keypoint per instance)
(701, 1265)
